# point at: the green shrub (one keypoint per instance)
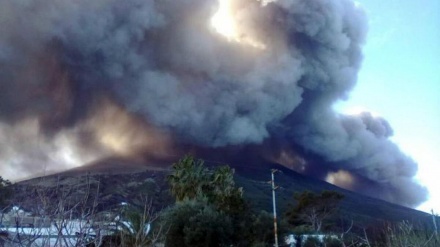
(195, 223)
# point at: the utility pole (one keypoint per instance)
(434, 220)
(274, 207)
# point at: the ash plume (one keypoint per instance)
(133, 77)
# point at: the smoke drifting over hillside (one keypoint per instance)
(83, 80)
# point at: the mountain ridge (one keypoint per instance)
(120, 179)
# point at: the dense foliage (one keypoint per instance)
(313, 209)
(5, 192)
(190, 179)
(206, 198)
(196, 223)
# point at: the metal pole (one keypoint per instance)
(274, 209)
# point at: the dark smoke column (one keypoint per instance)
(162, 63)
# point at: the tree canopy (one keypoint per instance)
(191, 180)
(205, 197)
(312, 209)
(196, 223)
(5, 191)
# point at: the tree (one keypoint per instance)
(196, 223)
(188, 179)
(5, 192)
(56, 214)
(223, 193)
(312, 209)
(136, 225)
(191, 181)
(262, 228)
(405, 234)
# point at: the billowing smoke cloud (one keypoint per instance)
(128, 77)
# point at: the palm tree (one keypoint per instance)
(188, 179)
(222, 183)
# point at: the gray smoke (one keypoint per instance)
(162, 61)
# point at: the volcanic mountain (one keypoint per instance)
(253, 81)
(115, 181)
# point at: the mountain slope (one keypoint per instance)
(116, 180)
(354, 205)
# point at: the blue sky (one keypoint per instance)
(400, 80)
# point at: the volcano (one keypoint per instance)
(115, 181)
(253, 81)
